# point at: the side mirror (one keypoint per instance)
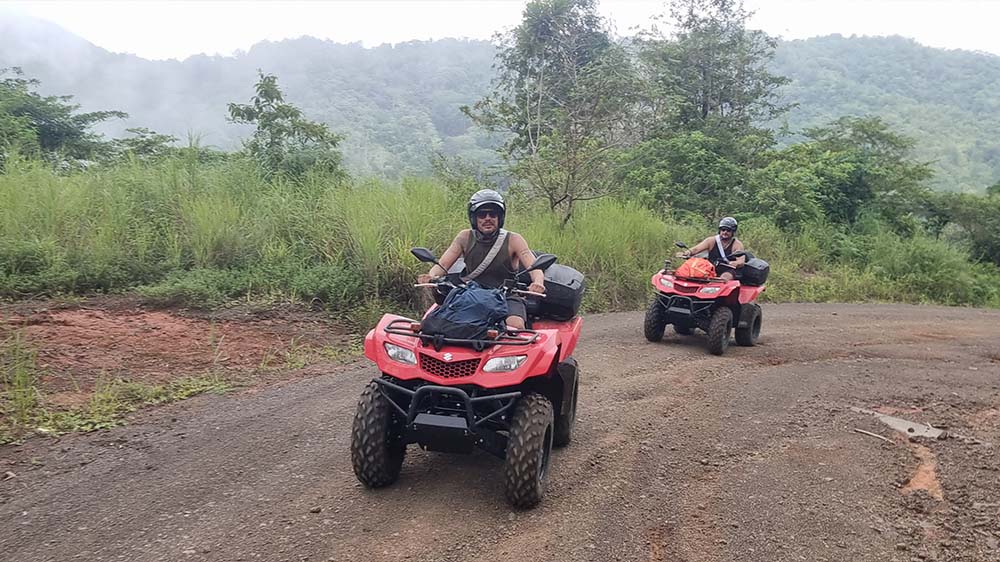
(424, 255)
(681, 245)
(543, 262)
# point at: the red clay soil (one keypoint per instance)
(78, 346)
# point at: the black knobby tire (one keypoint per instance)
(719, 329)
(683, 329)
(564, 425)
(748, 336)
(377, 449)
(656, 321)
(528, 447)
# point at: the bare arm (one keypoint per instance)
(703, 246)
(521, 255)
(451, 255)
(737, 247)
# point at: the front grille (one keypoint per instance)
(682, 289)
(448, 369)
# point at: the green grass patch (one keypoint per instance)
(23, 409)
(182, 233)
(114, 398)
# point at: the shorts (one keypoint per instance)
(721, 268)
(517, 307)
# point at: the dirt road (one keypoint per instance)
(678, 456)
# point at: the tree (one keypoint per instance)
(144, 145)
(686, 173)
(881, 175)
(565, 97)
(713, 69)
(711, 91)
(46, 126)
(978, 218)
(284, 142)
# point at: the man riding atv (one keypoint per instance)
(491, 253)
(719, 248)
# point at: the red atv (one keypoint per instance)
(512, 393)
(711, 304)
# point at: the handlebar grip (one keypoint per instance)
(425, 284)
(532, 293)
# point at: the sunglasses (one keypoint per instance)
(726, 228)
(484, 213)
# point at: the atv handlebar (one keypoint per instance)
(450, 281)
(532, 293)
(440, 282)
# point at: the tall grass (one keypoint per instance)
(18, 391)
(617, 245)
(181, 232)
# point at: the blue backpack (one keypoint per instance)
(467, 313)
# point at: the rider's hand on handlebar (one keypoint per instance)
(424, 278)
(684, 254)
(536, 288)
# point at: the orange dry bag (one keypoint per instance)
(696, 268)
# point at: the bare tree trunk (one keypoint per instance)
(567, 214)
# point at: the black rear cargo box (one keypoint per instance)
(564, 288)
(754, 272)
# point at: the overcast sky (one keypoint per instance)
(178, 29)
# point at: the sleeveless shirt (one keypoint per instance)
(474, 252)
(713, 254)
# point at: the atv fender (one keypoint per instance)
(557, 385)
(567, 371)
(730, 292)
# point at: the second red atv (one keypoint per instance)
(711, 304)
(512, 393)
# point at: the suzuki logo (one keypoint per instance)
(447, 357)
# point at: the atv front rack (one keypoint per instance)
(679, 305)
(403, 327)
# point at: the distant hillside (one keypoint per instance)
(948, 100)
(397, 104)
(394, 104)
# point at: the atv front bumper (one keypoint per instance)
(680, 307)
(447, 419)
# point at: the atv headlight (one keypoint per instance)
(400, 354)
(709, 290)
(666, 283)
(504, 364)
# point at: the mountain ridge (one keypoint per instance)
(397, 103)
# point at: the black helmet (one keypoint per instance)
(728, 222)
(485, 197)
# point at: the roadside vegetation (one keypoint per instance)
(23, 408)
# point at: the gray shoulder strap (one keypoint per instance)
(497, 245)
(722, 251)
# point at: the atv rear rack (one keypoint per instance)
(509, 337)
